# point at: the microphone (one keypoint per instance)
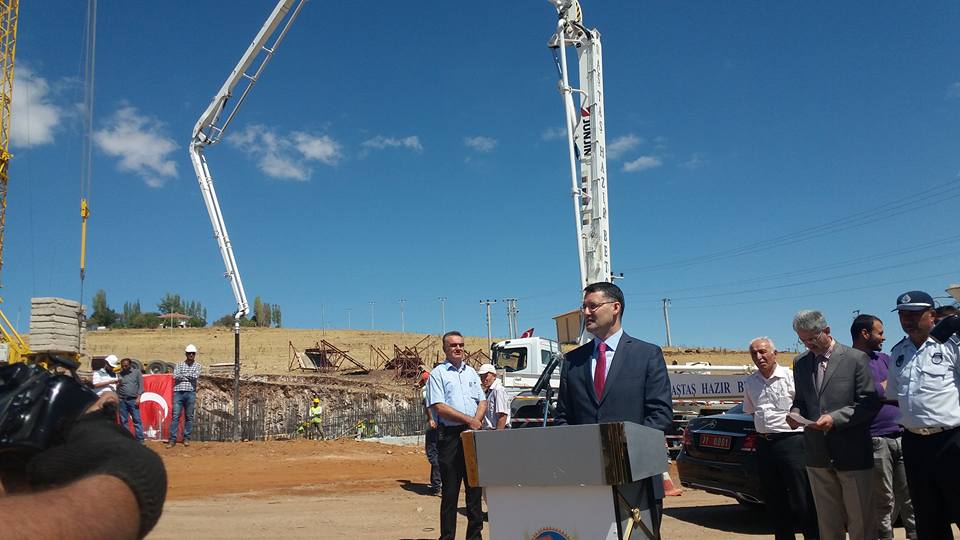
(544, 380)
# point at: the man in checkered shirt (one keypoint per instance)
(185, 377)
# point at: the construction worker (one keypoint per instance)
(316, 419)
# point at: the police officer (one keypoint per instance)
(924, 378)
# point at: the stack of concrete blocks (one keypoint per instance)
(57, 325)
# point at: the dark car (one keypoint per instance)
(719, 455)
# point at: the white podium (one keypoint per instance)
(567, 482)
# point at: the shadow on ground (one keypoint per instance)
(730, 518)
(415, 487)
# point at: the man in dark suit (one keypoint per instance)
(835, 393)
(614, 377)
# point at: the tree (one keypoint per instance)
(131, 312)
(266, 314)
(171, 303)
(102, 314)
(227, 321)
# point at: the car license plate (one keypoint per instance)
(715, 441)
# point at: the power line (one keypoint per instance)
(821, 293)
(810, 281)
(855, 261)
(857, 219)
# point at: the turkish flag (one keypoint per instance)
(528, 333)
(156, 405)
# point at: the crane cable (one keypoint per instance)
(86, 161)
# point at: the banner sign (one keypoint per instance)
(700, 386)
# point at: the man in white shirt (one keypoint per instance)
(498, 406)
(768, 395)
(105, 374)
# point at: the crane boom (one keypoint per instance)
(586, 140)
(208, 131)
(9, 11)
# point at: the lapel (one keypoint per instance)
(835, 357)
(619, 359)
(799, 367)
(586, 373)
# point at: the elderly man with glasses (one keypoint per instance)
(835, 401)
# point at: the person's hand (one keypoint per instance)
(474, 424)
(824, 423)
(96, 445)
(433, 423)
(137, 402)
(792, 423)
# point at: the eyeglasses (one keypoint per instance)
(593, 307)
(456, 345)
(814, 339)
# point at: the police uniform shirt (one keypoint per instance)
(458, 388)
(926, 383)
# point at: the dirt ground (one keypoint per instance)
(355, 489)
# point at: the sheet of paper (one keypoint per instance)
(800, 420)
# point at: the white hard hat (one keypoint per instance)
(191, 348)
(113, 360)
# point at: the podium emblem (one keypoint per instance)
(551, 533)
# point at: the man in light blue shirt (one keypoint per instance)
(924, 378)
(457, 400)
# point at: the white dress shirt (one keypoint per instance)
(769, 400)
(612, 343)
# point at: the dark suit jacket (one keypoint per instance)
(637, 387)
(848, 395)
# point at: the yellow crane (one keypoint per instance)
(9, 11)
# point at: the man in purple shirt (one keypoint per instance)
(890, 479)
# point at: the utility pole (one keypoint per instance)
(349, 325)
(323, 320)
(666, 320)
(403, 328)
(512, 329)
(443, 315)
(371, 314)
(489, 331)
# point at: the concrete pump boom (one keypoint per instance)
(586, 140)
(208, 131)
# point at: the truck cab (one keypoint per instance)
(519, 363)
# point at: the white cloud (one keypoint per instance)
(642, 163)
(550, 134)
(380, 142)
(621, 145)
(318, 148)
(136, 139)
(695, 162)
(33, 117)
(480, 143)
(286, 156)
(953, 91)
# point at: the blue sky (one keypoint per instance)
(765, 157)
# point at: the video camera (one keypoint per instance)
(946, 328)
(38, 406)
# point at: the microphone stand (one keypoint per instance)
(544, 382)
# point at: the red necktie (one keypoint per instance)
(600, 373)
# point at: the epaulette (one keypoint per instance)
(898, 343)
